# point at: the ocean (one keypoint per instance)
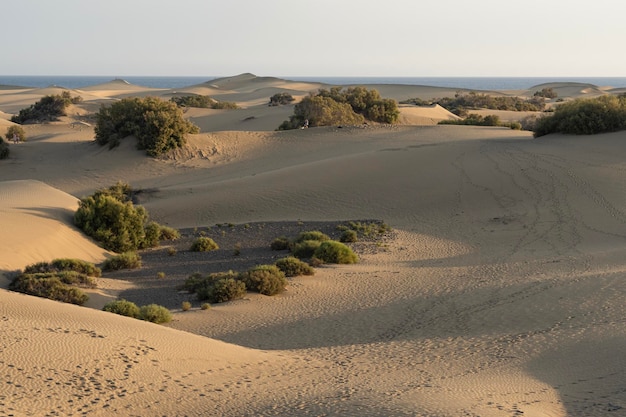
(474, 83)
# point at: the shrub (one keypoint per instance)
(51, 286)
(205, 306)
(312, 235)
(48, 108)
(152, 234)
(204, 244)
(204, 102)
(155, 313)
(15, 131)
(281, 99)
(123, 308)
(335, 252)
(305, 249)
(461, 103)
(265, 279)
(280, 243)
(116, 225)
(168, 233)
(546, 93)
(474, 120)
(217, 287)
(161, 275)
(186, 306)
(126, 260)
(321, 111)
(64, 264)
(585, 117)
(158, 125)
(349, 236)
(4, 149)
(293, 267)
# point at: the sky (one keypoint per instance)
(393, 38)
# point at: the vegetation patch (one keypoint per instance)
(203, 102)
(585, 117)
(64, 264)
(126, 260)
(4, 149)
(49, 108)
(281, 99)
(335, 252)
(305, 249)
(203, 244)
(478, 120)
(217, 287)
(352, 106)
(60, 286)
(265, 279)
(123, 308)
(461, 104)
(15, 131)
(155, 314)
(293, 267)
(158, 125)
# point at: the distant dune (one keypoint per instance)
(500, 292)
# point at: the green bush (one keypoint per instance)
(281, 99)
(280, 243)
(217, 287)
(158, 125)
(51, 286)
(312, 235)
(474, 120)
(205, 306)
(185, 306)
(15, 130)
(585, 117)
(546, 93)
(64, 264)
(204, 244)
(169, 233)
(4, 149)
(123, 308)
(48, 108)
(126, 260)
(461, 103)
(203, 102)
(265, 279)
(152, 235)
(293, 267)
(118, 226)
(349, 236)
(155, 313)
(335, 252)
(305, 249)
(321, 111)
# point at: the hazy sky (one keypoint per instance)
(313, 37)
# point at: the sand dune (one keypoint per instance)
(500, 292)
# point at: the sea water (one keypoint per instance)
(169, 82)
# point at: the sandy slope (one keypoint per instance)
(501, 292)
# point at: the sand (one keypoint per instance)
(499, 292)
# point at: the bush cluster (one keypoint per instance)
(335, 252)
(217, 287)
(57, 280)
(546, 93)
(158, 125)
(461, 103)
(48, 108)
(4, 149)
(319, 247)
(204, 244)
(151, 312)
(265, 279)
(15, 130)
(110, 217)
(351, 106)
(279, 99)
(293, 267)
(203, 102)
(585, 117)
(126, 260)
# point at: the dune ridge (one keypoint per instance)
(499, 292)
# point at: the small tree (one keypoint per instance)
(16, 130)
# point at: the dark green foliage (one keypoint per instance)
(64, 264)
(305, 249)
(546, 93)
(15, 130)
(203, 244)
(349, 236)
(336, 107)
(116, 225)
(55, 286)
(293, 267)
(158, 125)
(281, 99)
(152, 235)
(335, 252)
(461, 103)
(121, 191)
(155, 314)
(312, 235)
(265, 279)
(217, 287)
(280, 243)
(203, 102)
(49, 108)
(126, 260)
(4, 149)
(585, 117)
(123, 308)
(475, 120)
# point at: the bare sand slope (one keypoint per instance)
(501, 292)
